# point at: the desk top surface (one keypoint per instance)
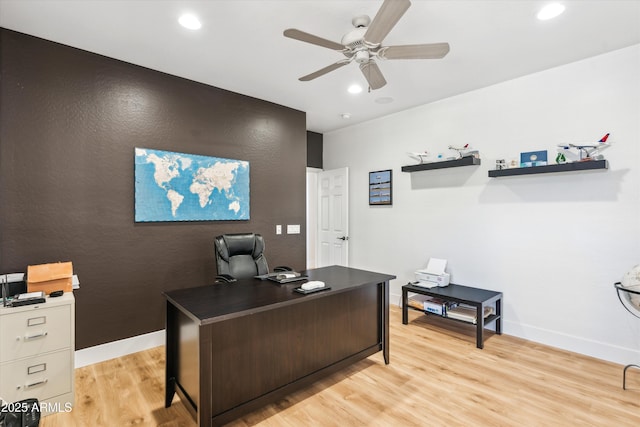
(221, 301)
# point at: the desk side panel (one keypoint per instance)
(258, 353)
(187, 360)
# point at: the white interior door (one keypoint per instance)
(333, 217)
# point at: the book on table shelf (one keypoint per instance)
(467, 313)
(417, 301)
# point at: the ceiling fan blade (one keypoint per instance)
(415, 51)
(387, 17)
(324, 70)
(373, 74)
(292, 33)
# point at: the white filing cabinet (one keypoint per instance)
(37, 350)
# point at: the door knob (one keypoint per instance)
(343, 238)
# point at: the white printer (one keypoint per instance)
(434, 275)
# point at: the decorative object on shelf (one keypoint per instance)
(188, 187)
(533, 158)
(501, 164)
(380, 187)
(560, 158)
(629, 294)
(461, 152)
(465, 151)
(585, 152)
(427, 157)
(422, 157)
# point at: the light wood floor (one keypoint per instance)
(436, 377)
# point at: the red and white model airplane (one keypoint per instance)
(464, 151)
(586, 151)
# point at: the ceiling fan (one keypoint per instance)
(364, 44)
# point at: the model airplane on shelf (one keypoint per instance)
(586, 152)
(423, 157)
(464, 151)
(426, 157)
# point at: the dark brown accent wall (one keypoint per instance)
(69, 122)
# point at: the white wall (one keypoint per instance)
(554, 244)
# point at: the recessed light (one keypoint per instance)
(355, 88)
(345, 116)
(190, 21)
(550, 11)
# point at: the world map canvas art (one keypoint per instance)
(188, 187)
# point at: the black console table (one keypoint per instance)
(478, 298)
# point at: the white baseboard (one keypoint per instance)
(575, 344)
(111, 350)
(599, 350)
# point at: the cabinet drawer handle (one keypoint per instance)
(36, 336)
(31, 385)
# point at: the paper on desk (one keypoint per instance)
(436, 266)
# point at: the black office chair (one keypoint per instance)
(241, 256)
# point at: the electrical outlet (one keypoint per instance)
(278, 229)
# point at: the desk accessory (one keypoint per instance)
(266, 276)
(311, 291)
(28, 299)
(287, 277)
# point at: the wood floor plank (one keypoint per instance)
(437, 376)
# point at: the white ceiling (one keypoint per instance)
(241, 47)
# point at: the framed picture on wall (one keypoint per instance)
(380, 188)
(172, 186)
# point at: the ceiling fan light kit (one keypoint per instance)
(363, 44)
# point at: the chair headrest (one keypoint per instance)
(240, 244)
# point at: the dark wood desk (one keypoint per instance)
(232, 348)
